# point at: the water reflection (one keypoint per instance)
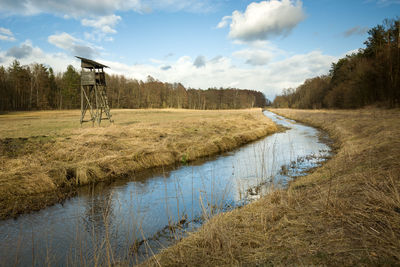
(133, 218)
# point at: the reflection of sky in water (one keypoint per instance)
(134, 210)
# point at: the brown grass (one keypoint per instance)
(345, 213)
(45, 155)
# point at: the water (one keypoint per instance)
(131, 219)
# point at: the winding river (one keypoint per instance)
(132, 219)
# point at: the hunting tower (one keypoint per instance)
(94, 92)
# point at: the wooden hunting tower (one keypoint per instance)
(94, 92)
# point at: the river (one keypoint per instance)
(131, 219)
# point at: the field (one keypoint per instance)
(44, 155)
(347, 212)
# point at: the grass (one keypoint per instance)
(347, 212)
(45, 155)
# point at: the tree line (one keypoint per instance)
(37, 87)
(370, 76)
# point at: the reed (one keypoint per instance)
(344, 213)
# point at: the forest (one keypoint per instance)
(37, 87)
(369, 77)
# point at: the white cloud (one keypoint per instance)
(357, 30)
(255, 57)
(156, 61)
(200, 61)
(221, 72)
(6, 35)
(99, 14)
(73, 45)
(216, 72)
(258, 53)
(7, 38)
(73, 8)
(350, 52)
(5, 31)
(97, 36)
(32, 54)
(22, 51)
(166, 67)
(63, 40)
(105, 24)
(224, 22)
(81, 8)
(263, 20)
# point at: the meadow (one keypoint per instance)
(344, 213)
(46, 155)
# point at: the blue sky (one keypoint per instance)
(260, 45)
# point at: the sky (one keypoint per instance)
(260, 45)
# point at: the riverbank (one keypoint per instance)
(347, 212)
(45, 155)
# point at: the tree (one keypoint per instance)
(37, 87)
(70, 89)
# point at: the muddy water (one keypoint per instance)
(131, 219)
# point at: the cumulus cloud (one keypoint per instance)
(98, 14)
(258, 53)
(6, 35)
(219, 71)
(167, 67)
(224, 22)
(222, 72)
(22, 51)
(106, 24)
(27, 54)
(63, 40)
(357, 30)
(263, 20)
(102, 27)
(199, 62)
(304, 65)
(255, 57)
(216, 58)
(73, 45)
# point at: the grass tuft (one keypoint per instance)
(45, 155)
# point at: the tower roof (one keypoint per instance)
(88, 63)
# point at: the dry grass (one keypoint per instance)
(345, 213)
(45, 155)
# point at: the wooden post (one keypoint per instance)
(82, 115)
